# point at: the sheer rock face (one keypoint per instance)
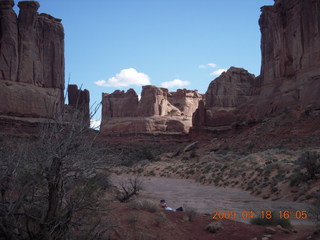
(8, 41)
(31, 61)
(290, 47)
(158, 110)
(119, 104)
(41, 47)
(231, 89)
(79, 105)
(290, 71)
(224, 97)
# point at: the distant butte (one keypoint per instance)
(158, 110)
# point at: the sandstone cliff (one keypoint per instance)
(78, 109)
(290, 71)
(158, 110)
(31, 61)
(290, 46)
(224, 97)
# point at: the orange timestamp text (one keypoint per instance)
(283, 214)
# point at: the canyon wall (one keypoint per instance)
(290, 46)
(290, 71)
(225, 96)
(31, 62)
(158, 110)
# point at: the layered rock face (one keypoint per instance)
(158, 110)
(224, 97)
(31, 61)
(290, 46)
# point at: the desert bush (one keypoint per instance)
(161, 218)
(144, 205)
(50, 187)
(190, 214)
(311, 162)
(213, 227)
(193, 154)
(129, 188)
(316, 207)
(274, 221)
(296, 179)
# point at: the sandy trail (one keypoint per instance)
(205, 199)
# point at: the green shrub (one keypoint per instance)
(161, 218)
(144, 205)
(213, 227)
(311, 162)
(296, 179)
(193, 154)
(190, 214)
(274, 221)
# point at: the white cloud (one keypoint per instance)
(212, 65)
(209, 65)
(125, 78)
(218, 72)
(95, 124)
(175, 83)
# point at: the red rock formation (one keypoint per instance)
(31, 62)
(185, 100)
(8, 41)
(78, 109)
(290, 72)
(41, 47)
(119, 104)
(290, 47)
(224, 97)
(122, 112)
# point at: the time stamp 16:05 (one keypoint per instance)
(285, 214)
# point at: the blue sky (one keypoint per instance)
(121, 44)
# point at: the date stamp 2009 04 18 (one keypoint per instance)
(284, 214)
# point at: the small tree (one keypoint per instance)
(50, 185)
(311, 162)
(129, 189)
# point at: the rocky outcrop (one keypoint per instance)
(31, 62)
(290, 71)
(158, 110)
(119, 104)
(185, 100)
(290, 47)
(78, 109)
(224, 97)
